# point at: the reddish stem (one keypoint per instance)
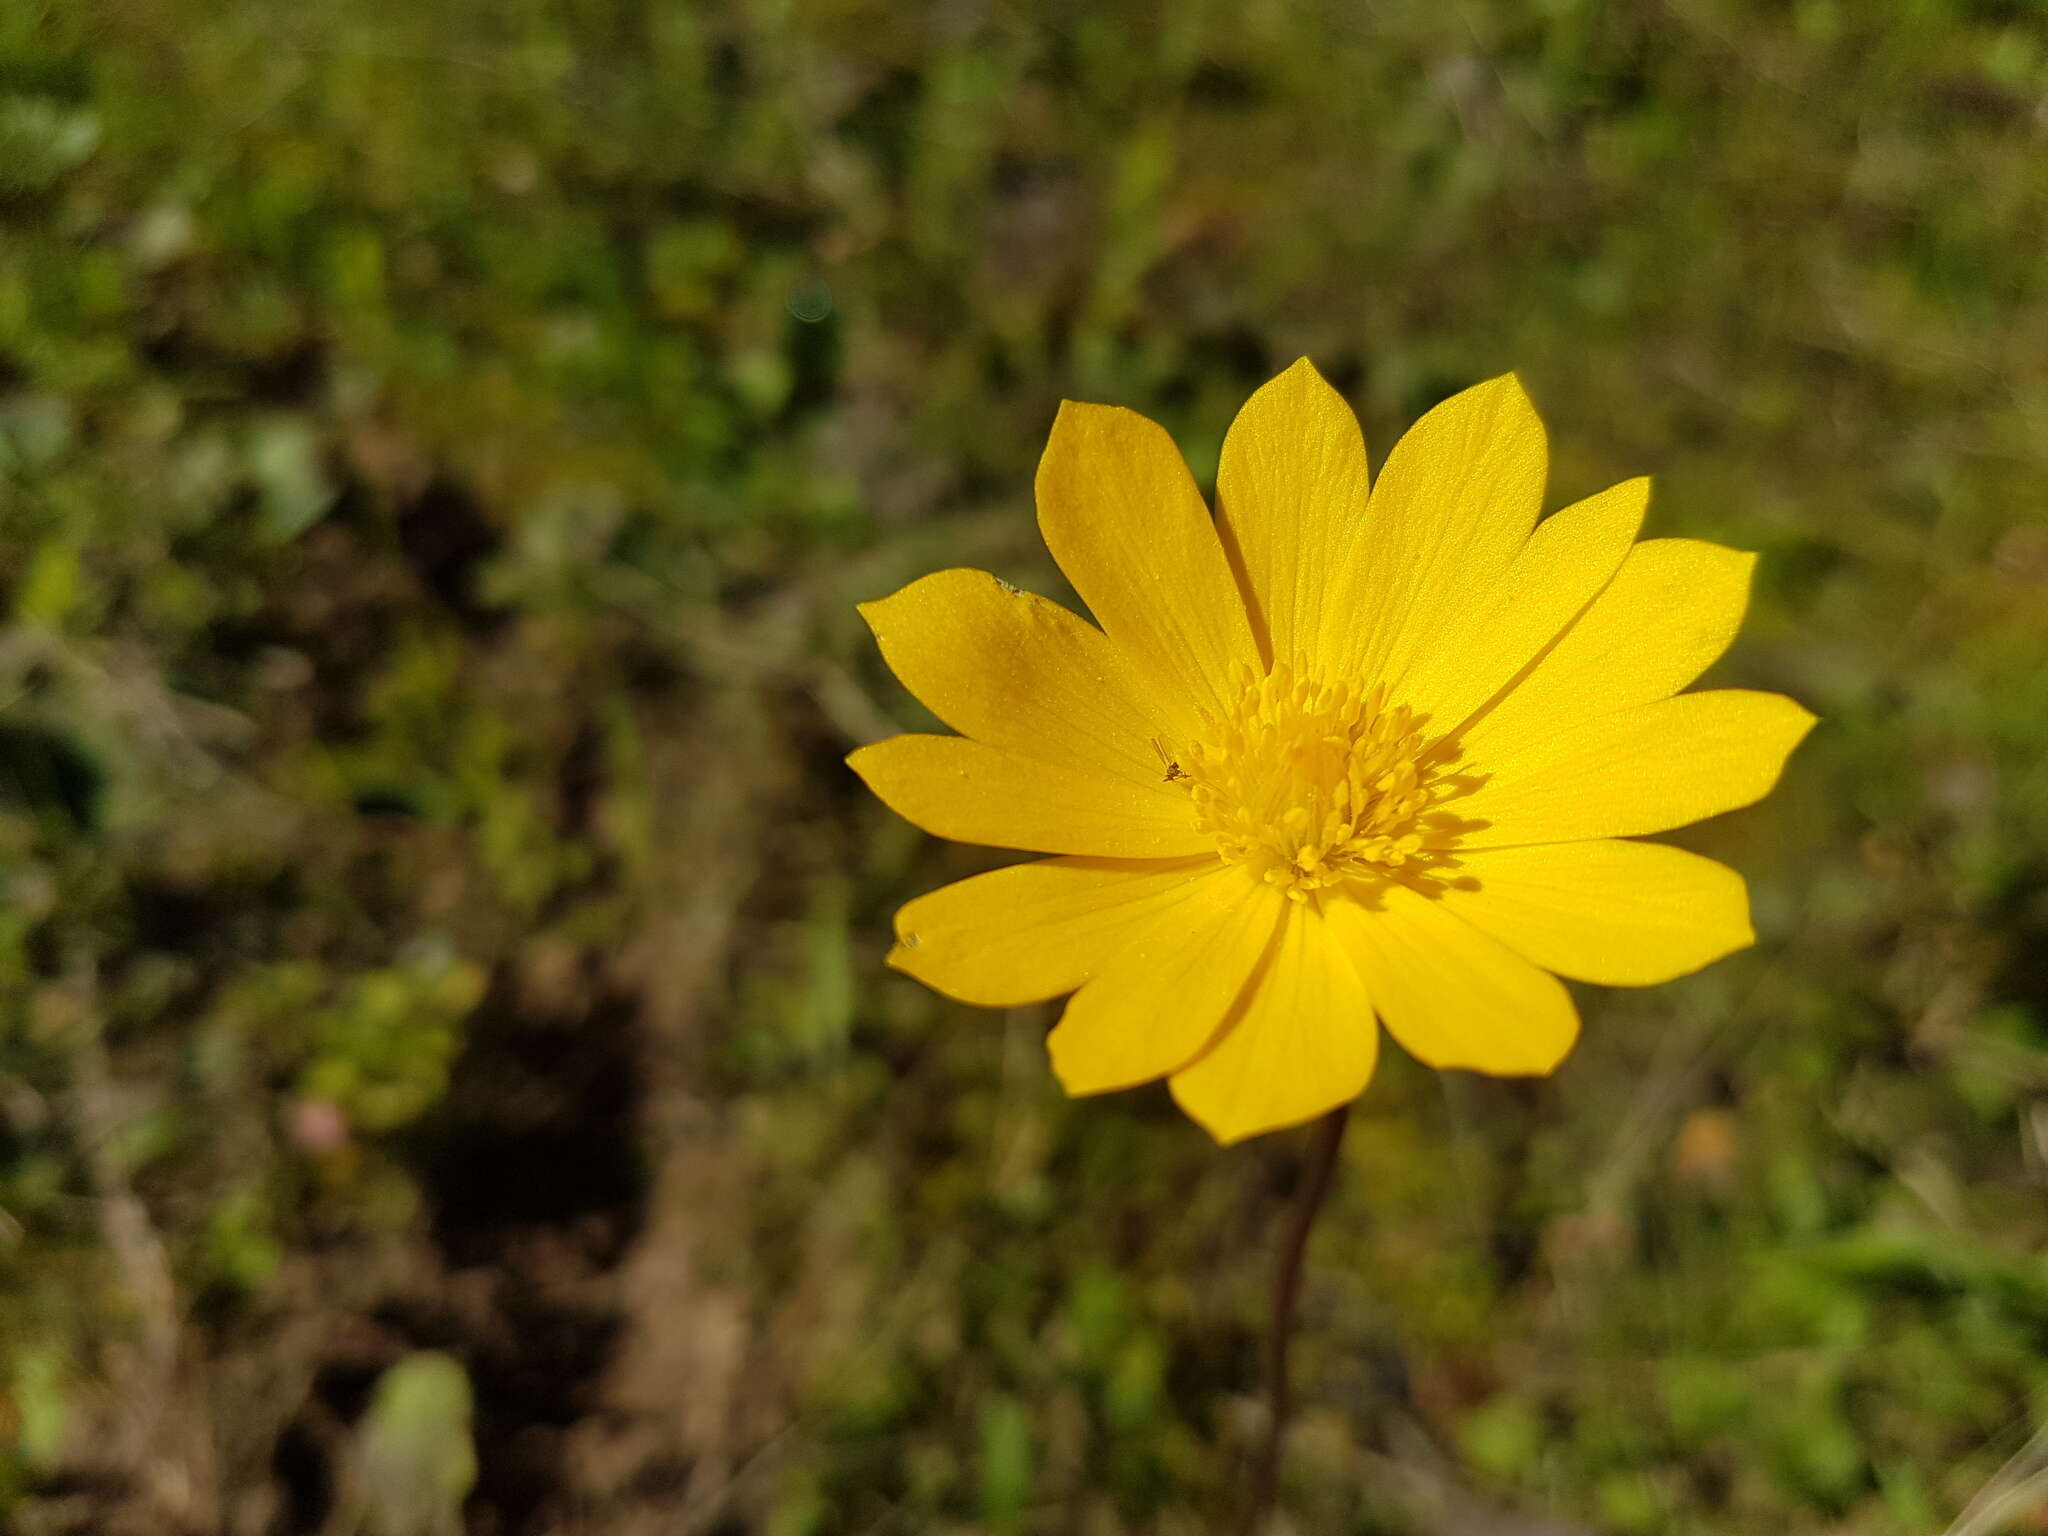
(1318, 1172)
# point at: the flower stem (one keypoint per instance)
(1318, 1171)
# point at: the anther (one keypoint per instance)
(1308, 781)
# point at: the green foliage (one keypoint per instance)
(440, 448)
(381, 1053)
(415, 1461)
(1006, 1480)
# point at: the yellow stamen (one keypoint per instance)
(1310, 782)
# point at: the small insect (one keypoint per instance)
(1173, 769)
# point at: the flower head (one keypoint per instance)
(1344, 752)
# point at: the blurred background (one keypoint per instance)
(448, 1080)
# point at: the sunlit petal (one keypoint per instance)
(975, 793)
(1122, 516)
(1163, 998)
(1301, 1041)
(1033, 931)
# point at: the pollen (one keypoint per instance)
(1311, 783)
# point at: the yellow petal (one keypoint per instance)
(974, 793)
(1667, 615)
(1453, 506)
(1619, 913)
(1033, 931)
(1163, 997)
(1300, 1042)
(1290, 501)
(1570, 557)
(1121, 515)
(1646, 769)
(1015, 670)
(1452, 996)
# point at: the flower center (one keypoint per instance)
(1309, 783)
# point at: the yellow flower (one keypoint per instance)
(1330, 755)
